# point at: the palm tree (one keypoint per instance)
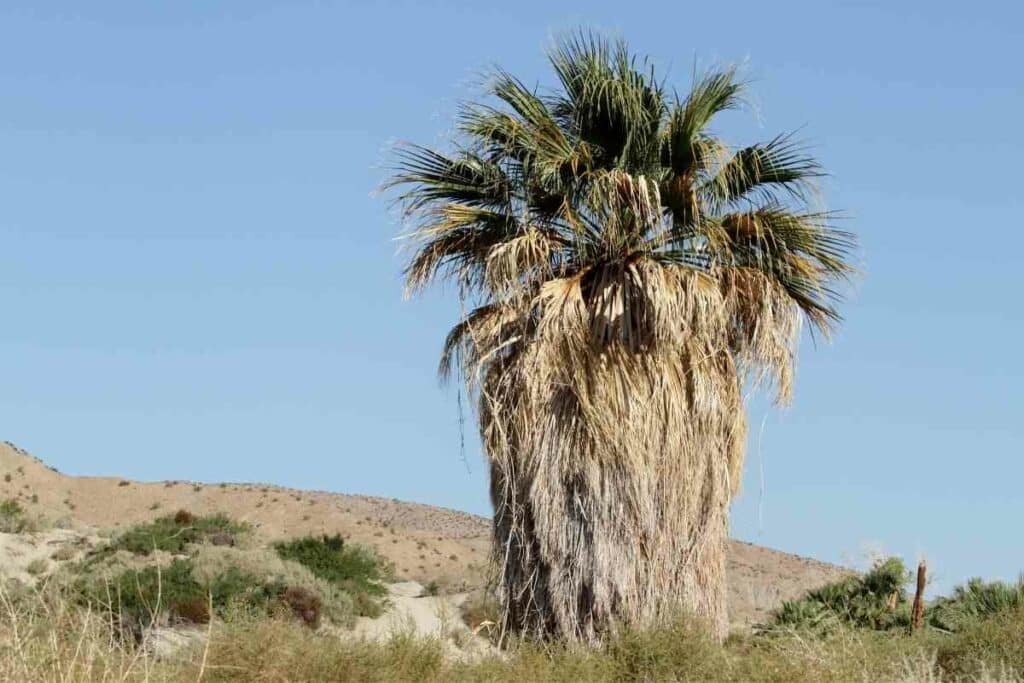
(627, 275)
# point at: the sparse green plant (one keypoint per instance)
(13, 519)
(7, 477)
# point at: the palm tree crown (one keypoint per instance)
(616, 183)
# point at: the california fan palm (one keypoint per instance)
(628, 274)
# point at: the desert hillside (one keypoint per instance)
(426, 544)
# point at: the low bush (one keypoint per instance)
(38, 566)
(192, 610)
(267, 567)
(172, 533)
(988, 646)
(13, 519)
(305, 604)
(974, 601)
(355, 569)
(152, 594)
(875, 600)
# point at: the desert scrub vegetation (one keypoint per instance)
(46, 636)
(975, 601)
(356, 569)
(877, 600)
(139, 598)
(338, 605)
(173, 533)
(14, 519)
(177, 568)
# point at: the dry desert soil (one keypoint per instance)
(425, 543)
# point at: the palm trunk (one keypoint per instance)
(629, 531)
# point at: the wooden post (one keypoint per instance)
(917, 615)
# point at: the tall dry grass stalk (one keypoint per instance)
(46, 634)
(46, 637)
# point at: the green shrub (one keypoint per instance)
(876, 600)
(141, 596)
(354, 568)
(267, 567)
(993, 646)
(975, 601)
(13, 519)
(172, 533)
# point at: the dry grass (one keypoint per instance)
(46, 638)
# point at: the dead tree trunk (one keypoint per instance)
(917, 615)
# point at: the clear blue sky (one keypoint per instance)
(197, 279)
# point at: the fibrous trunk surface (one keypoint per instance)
(611, 475)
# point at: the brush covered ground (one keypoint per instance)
(203, 583)
(429, 545)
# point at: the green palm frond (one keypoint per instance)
(466, 178)
(686, 147)
(609, 100)
(763, 169)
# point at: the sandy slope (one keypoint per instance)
(426, 543)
